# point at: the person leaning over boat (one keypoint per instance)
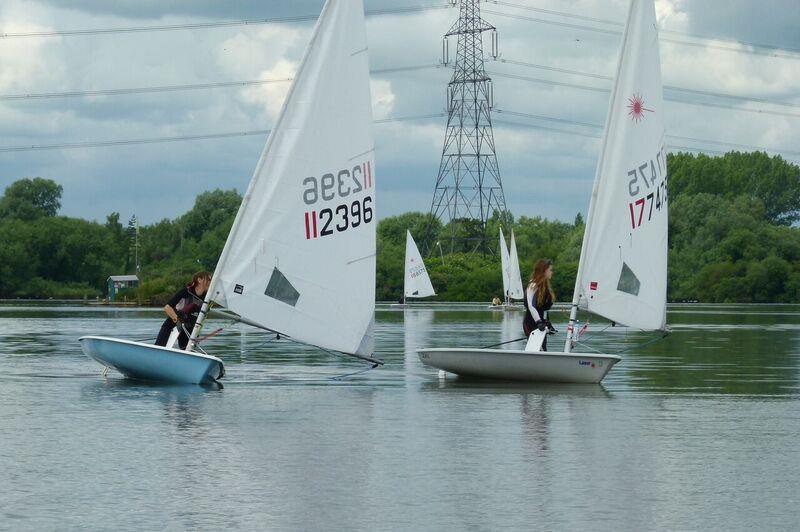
(182, 309)
(539, 297)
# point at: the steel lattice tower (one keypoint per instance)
(468, 187)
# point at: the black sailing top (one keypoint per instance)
(533, 310)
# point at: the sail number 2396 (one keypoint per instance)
(339, 218)
(341, 185)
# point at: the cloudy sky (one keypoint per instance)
(556, 56)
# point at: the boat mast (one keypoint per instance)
(573, 313)
(504, 269)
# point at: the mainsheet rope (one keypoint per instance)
(279, 336)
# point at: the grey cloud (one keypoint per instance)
(774, 22)
(227, 9)
(154, 9)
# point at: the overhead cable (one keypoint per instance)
(177, 138)
(666, 97)
(672, 147)
(668, 87)
(559, 13)
(729, 45)
(204, 25)
(185, 87)
(708, 42)
(676, 137)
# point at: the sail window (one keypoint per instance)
(281, 289)
(628, 282)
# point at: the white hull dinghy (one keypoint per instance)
(513, 365)
(149, 362)
(622, 273)
(299, 260)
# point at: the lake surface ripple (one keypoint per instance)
(698, 431)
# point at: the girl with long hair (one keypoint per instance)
(539, 297)
(182, 309)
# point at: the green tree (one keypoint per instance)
(28, 199)
(211, 209)
(17, 263)
(771, 180)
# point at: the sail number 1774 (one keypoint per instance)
(647, 204)
(643, 178)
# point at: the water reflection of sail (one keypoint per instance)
(534, 410)
(417, 328)
(511, 328)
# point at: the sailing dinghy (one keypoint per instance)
(300, 257)
(622, 274)
(512, 280)
(416, 281)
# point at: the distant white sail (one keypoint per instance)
(504, 263)
(300, 257)
(623, 271)
(515, 290)
(416, 283)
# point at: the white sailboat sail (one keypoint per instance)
(515, 290)
(300, 257)
(623, 269)
(504, 263)
(416, 283)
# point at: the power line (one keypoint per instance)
(666, 97)
(235, 134)
(140, 90)
(126, 142)
(710, 42)
(672, 147)
(408, 118)
(668, 87)
(581, 27)
(177, 138)
(675, 137)
(245, 83)
(547, 128)
(555, 69)
(732, 45)
(733, 145)
(550, 82)
(778, 51)
(186, 87)
(547, 118)
(205, 25)
(559, 13)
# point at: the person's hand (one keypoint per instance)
(540, 325)
(550, 328)
(178, 320)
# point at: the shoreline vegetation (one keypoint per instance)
(733, 238)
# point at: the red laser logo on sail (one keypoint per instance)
(636, 107)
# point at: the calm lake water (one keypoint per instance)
(699, 431)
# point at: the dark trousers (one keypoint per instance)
(166, 329)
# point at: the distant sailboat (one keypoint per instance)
(512, 280)
(300, 256)
(416, 282)
(622, 274)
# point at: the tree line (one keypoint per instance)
(733, 237)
